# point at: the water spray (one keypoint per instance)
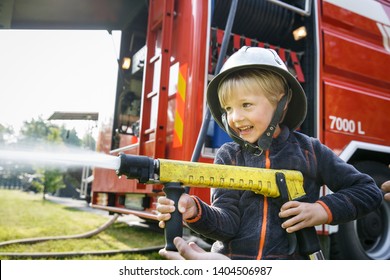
(61, 158)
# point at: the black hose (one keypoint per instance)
(72, 254)
(48, 238)
(75, 254)
(258, 19)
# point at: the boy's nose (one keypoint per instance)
(237, 116)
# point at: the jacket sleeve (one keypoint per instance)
(354, 194)
(221, 220)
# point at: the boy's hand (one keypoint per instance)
(386, 188)
(189, 251)
(165, 206)
(301, 215)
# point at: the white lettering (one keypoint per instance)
(346, 125)
(360, 130)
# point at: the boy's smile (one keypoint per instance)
(249, 113)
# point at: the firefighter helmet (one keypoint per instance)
(259, 58)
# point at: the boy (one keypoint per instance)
(260, 105)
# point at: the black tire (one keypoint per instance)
(367, 238)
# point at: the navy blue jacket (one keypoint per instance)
(246, 225)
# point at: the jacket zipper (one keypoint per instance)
(265, 213)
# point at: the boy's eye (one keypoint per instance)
(246, 105)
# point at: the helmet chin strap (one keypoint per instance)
(265, 139)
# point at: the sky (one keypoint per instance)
(44, 71)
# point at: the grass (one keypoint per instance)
(24, 215)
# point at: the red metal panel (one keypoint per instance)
(236, 41)
(220, 33)
(353, 114)
(360, 61)
(352, 23)
(248, 41)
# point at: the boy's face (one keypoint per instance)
(249, 113)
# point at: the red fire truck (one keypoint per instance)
(339, 51)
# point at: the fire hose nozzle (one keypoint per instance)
(141, 168)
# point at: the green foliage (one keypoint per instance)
(37, 186)
(54, 135)
(70, 138)
(53, 180)
(89, 142)
(5, 133)
(36, 130)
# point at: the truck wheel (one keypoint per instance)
(368, 237)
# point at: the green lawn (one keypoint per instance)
(24, 215)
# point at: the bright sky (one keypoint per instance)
(46, 71)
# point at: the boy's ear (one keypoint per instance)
(289, 95)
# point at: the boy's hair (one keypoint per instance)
(272, 85)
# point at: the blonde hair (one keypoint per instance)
(271, 84)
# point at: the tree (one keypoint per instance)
(6, 133)
(35, 131)
(53, 179)
(9, 172)
(70, 137)
(89, 142)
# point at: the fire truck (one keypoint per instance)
(339, 50)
